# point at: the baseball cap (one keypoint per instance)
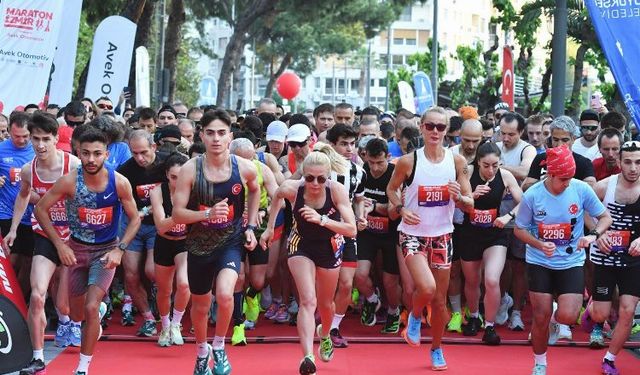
(501, 105)
(277, 131)
(298, 133)
(589, 114)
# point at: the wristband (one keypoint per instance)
(594, 232)
(251, 227)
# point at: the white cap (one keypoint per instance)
(298, 133)
(277, 131)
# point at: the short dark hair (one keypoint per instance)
(44, 122)
(377, 146)
(174, 158)
(75, 108)
(216, 114)
(324, 107)
(455, 123)
(340, 131)
(146, 113)
(93, 134)
(344, 106)
(194, 110)
(370, 110)
(254, 124)
(266, 119)
(405, 113)
(613, 119)
(197, 147)
(487, 148)
(386, 130)
(299, 118)
(486, 124)
(246, 134)
(31, 105)
(513, 116)
(19, 119)
(410, 132)
(610, 133)
(79, 130)
(109, 127)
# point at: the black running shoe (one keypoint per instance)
(472, 327)
(307, 366)
(368, 316)
(36, 367)
(490, 336)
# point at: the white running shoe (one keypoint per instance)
(176, 334)
(164, 339)
(503, 311)
(515, 322)
(564, 332)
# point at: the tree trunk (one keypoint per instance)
(235, 48)
(574, 108)
(524, 67)
(484, 100)
(177, 18)
(286, 61)
(546, 83)
(142, 39)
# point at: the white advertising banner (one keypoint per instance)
(143, 88)
(111, 58)
(64, 61)
(28, 35)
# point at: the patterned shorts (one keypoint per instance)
(89, 270)
(438, 250)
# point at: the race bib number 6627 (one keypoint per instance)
(95, 218)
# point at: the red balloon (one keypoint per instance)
(288, 85)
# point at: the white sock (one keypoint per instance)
(148, 316)
(127, 307)
(62, 318)
(488, 324)
(165, 321)
(76, 323)
(337, 319)
(456, 303)
(475, 314)
(608, 356)
(540, 359)
(177, 316)
(266, 292)
(83, 365)
(277, 300)
(39, 354)
(218, 342)
(393, 310)
(202, 349)
(372, 298)
(553, 318)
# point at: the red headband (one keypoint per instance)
(560, 162)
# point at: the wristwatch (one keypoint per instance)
(207, 214)
(594, 232)
(122, 246)
(323, 220)
(251, 227)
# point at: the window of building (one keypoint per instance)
(398, 41)
(372, 83)
(406, 14)
(355, 83)
(397, 60)
(383, 82)
(410, 42)
(318, 82)
(328, 84)
(222, 43)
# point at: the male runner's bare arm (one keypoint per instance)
(274, 167)
(461, 188)
(249, 175)
(398, 177)
(521, 171)
(181, 214)
(20, 206)
(285, 191)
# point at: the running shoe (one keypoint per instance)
(36, 367)
(404, 315)
(293, 306)
(127, 318)
(325, 350)
(164, 339)
(102, 311)
(392, 325)
(596, 338)
(554, 331)
(109, 307)
(369, 310)
(472, 327)
(635, 328)
(238, 338)
(265, 299)
(355, 296)
(176, 334)
(490, 336)
(308, 365)
(282, 315)
(564, 332)
(381, 316)
(76, 335)
(539, 370)
(515, 322)
(437, 360)
(503, 311)
(203, 366)
(455, 324)
(222, 365)
(271, 311)
(249, 325)
(80, 373)
(411, 334)
(62, 334)
(253, 308)
(337, 339)
(608, 368)
(147, 329)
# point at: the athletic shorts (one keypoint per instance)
(350, 253)
(324, 254)
(548, 281)
(165, 251)
(369, 244)
(202, 269)
(23, 243)
(606, 278)
(44, 246)
(438, 250)
(458, 241)
(516, 249)
(257, 257)
(89, 270)
(475, 242)
(145, 237)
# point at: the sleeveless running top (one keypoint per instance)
(291, 161)
(57, 212)
(205, 237)
(94, 217)
(264, 197)
(427, 195)
(511, 158)
(624, 230)
(487, 207)
(178, 230)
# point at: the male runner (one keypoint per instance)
(210, 197)
(94, 195)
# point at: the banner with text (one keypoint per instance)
(111, 58)
(508, 82)
(407, 100)
(143, 88)
(424, 92)
(64, 61)
(28, 35)
(615, 23)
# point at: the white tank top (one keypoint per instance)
(511, 158)
(428, 196)
(458, 215)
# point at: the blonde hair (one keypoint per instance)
(316, 158)
(438, 110)
(337, 163)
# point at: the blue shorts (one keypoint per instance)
(144, 240)
(201, 270)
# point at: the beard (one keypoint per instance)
(98, 168)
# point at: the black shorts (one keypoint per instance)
(326, 254)
(350, 253)
(458, 241)
(43, 246)
(475, 242)
(606, 278)
(257, 257)
(516, 249)
(165, 250)
(369, 244)
(548, 281)
(23, 243)
(201, 270)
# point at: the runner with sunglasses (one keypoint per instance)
(322, 218)
(299, 147)
(103, 104)
(435, 181)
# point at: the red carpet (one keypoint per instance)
(142, 358)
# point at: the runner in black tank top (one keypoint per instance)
(169, 254)
(484, 241)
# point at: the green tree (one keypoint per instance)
(466, 89)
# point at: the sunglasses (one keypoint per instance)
(630, 146)
(589, 128)
(430, 126)
(297, 144)
(105, 106)
(74, 123)
(310, 178)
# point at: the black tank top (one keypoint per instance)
(376, 188)
(178, 230)
(313, 232)
(487, 207)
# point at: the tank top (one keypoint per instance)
(511, 158)
(624, 230)
(264, 197)
(427, 195)
(486, 207)
(94, 217)
(57, 212)
(205, 237)
(376, 188)
(178, 230)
